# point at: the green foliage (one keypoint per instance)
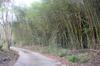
(84, 58)
(72, 58)
(56, 51)
(79, 58)
(59, 23)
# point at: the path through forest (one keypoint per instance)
(29, 58)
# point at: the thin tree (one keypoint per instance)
(6, 22)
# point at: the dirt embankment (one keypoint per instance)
(8, 58)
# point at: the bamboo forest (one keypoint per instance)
(49, 32)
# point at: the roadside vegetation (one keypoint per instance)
(58, 27)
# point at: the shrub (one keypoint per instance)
(72, 58)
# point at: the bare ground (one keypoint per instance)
(8, 58)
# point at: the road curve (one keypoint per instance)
(29, 58)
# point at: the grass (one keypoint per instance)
(84, 58)
(56, 51)
(81, 58)
(72, 58)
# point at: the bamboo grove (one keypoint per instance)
(59, 23)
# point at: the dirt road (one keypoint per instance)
(29, 58)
